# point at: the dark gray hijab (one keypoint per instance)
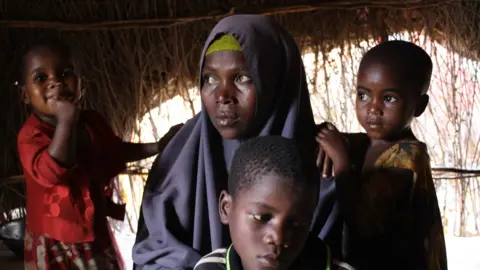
(179, 221)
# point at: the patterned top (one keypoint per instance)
(402, 213)
(60, 201)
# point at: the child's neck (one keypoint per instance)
(46, 118)
(405, 135)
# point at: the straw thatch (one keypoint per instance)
(134, 55)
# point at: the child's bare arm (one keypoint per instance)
(63, 146)
(139, 151)
(334, 146)
(367, 201)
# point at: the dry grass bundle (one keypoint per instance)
(134, 55)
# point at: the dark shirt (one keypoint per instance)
(315, 255)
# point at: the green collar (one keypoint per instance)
(328, 257)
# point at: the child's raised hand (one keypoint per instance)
(162, 143)
(334, 145)
(63, 109)
(324, 163)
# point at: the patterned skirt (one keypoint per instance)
(44, 253)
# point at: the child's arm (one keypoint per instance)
(364, 210)
(50, 161)
(63, 146)
(324, 162)
(139, 151)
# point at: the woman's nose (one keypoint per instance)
(225, 93)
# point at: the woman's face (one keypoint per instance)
(228, 93)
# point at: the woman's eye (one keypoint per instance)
(261, 217)
(40, 78)
(209, 80)
(243, 79)
(390, 99)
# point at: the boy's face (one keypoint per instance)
(269, 221)
(47, 70)
(386, 103)
(228, 93)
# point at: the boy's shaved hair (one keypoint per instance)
(410, 60)
(271, 154)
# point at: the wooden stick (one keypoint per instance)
(169, 22)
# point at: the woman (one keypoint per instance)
(253, 84)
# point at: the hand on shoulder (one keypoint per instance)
(334, 145)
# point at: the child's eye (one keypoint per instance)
(390, 99)
(362, 96)
(67, 73)
(261, 217)
(243, 79)
(40, 78)
(209, 79)
(299, 223)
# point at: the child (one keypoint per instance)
(386, 193)
(272, 193)
(69, 157)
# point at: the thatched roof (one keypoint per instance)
(136, 54)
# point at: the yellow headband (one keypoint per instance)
(224, 43)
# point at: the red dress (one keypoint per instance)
(66, 224)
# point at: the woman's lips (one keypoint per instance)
(226, 121)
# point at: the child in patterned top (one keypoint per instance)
(385, 189)
(271, 198)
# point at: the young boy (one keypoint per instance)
(386, 193)
(272, 193)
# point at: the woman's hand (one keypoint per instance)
(333, 149)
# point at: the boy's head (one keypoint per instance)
(392, 82)
(47, 66)
(272, 194)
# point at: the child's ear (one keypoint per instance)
(421, 105)
(25, 97)
(225, 206)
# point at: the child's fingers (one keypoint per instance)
(53, 93)
(330, 126)
(321, 126)
(320, 158)
(323, 132)
(327, 167)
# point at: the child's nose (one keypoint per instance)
(375, 109)
(278, 236)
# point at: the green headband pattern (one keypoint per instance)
(224, 43)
